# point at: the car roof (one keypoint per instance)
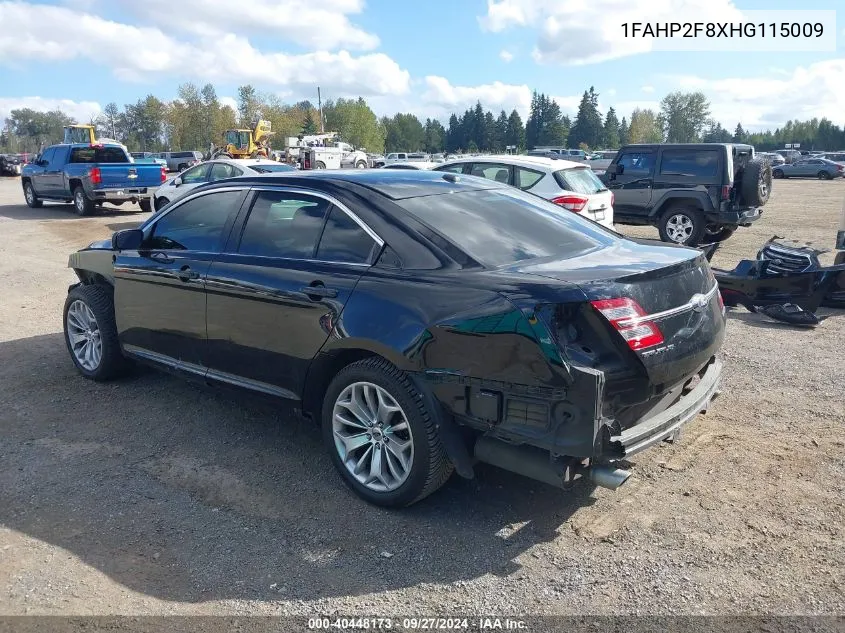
(396, 184)
(552, 164)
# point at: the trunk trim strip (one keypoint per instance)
(697, 301)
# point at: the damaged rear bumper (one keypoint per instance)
(667, 424)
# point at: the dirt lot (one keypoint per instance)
(152, 496)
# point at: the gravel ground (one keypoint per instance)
(153, 496)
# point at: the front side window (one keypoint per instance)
(196, 225)
(284, 224)
(47, 156)
(637, 162)
(344, 240)
(196, 175)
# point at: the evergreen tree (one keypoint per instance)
(515, 134)
(739, 134)
(588, 128)
(623, 133)
(309, 126)
(611, 130)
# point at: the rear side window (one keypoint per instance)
(196, 225)
(98, 155)
(220, 171)
(491, 171)
(344, 240)
(691, 163)
(527, 178)
(507, 225)
(283, 224)
(579, 180)
(452, 169)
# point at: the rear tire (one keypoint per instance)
(756, 185)
(182, 167)
(823, 175)
(320, 165)
(380, 387)
(777, 173)
(682, 225)
(81, 203)
(146, 205)
(32, 200)
(92, 323)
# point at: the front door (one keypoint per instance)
(632, 188)
(160, 288)
(277, 292)
(39, 177)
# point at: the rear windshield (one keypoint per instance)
(266, 169)
(579, 180)
(98, 155)
(501, 226)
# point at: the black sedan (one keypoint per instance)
(425, 320)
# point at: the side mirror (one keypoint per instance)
(177, 181)
(127, 240)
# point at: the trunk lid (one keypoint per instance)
(675, 288)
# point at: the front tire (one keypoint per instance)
(777, 173)
(682, 225)
(146, 205)
(32, 200)
(360, 165)
(380, 435)
(81, 203)
(91, 333)
(160, 202)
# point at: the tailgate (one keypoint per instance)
(129, 175)
(600, 207)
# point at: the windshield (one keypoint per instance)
(501, 226)
(579, 180)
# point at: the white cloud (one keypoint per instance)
(40, 34)
(767, 103)
(611, 92)
(229, 101)
(82, 111)
(497, 96)
(320, 25)
(505, 55)
(574, 32)
(647, 89)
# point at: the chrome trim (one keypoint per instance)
(694, 303)
(334, 201)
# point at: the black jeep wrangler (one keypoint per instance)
(694, 194)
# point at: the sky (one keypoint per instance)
(429, 58)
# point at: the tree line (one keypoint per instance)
(197, 118)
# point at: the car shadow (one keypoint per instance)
(188, 494)
(61, 211)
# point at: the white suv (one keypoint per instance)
(572, 186)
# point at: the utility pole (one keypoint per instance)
(320, 107)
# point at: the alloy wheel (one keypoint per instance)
(84, 335)
(679, 227)
(29, 194)
(372, 437)
(80, 201)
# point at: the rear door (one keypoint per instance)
(277, 292)
(160, 288)
(633, 187)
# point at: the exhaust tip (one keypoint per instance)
(609, 477)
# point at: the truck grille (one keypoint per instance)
(783, 259)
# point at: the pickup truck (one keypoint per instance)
(88, 176)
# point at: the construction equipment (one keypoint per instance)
(85, 134)
(243, 143)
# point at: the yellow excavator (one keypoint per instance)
(78, 133)
(252, 143)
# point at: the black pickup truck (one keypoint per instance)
(693, 193)
(89, 175)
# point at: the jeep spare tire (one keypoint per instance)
(756, 186)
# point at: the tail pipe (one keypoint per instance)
(534, 463)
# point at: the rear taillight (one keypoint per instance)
(721, 302)
(612, 198)
(628, 318)
(840, 167)
(95, 176)
(572, 203)
(163, 173)
(726, 192)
